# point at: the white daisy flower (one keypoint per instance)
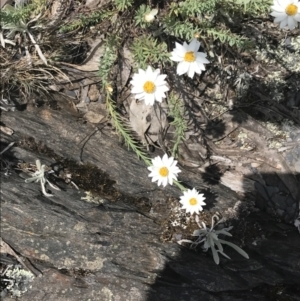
(190, 61)
(149, 85)
(192, 201)
(286, 12)
(164, 170)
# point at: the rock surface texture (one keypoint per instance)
(112, 250)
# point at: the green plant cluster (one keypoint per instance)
(254, 7)
(13, 15)
(108, 60)
(211, 20)
(83, 21)
(139, 18)
(147, 50)
(123, 4)
(177, 112)
(124, 131)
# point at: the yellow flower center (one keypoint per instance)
(193, 201)
(164, 171)
(189, 56)
(291, 10)
(149, 87)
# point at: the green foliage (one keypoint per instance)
(125, 132)
(254, 7)
(140, 16)
(109, 58)
(191, 7)
(83, 21)
(227, 37)
(180, 29)
(106, 63)
(188, 18)
(177, 111)
(147, 51)
(13, 15)
(123, 4)
(209, 238)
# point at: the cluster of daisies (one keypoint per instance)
(150, 86)
(164, 171)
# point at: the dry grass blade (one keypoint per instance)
(37, 47)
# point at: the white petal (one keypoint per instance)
(163, 88)
(277, 14)
(185, 46)
(201, 58)
(148, 70)
(291, 23)
(278, 9)
(180, 47)
(182, 67)
(194, 45)
(201, 66)
(142, 72)
(159, 96)
(165, 181)
(191, 71)
(140, 96)
(284, 23)
(279, 19)
(149, 99)
(176, 58)
(196, 68)
(137, 89)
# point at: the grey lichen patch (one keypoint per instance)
(80, 227)
(281, 131)
(286, 56)
(295, 42)
(93, 198)
(18, 280)
(276, 82)
(244, 142)
(107, 294)
(289, 59)
(95, 265)
(217, 109)
(242, 84)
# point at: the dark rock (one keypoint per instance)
(111, 250)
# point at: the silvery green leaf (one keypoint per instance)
(38, 164)
(220, 248)
(238, 249)
(215, 255)
(32, 179)
(221, 252)
(214, 235)
(198, 232)
(184, 240)
(206, 245)
(224, 232)
(211, 241)
(52, 185)
(44, 190)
